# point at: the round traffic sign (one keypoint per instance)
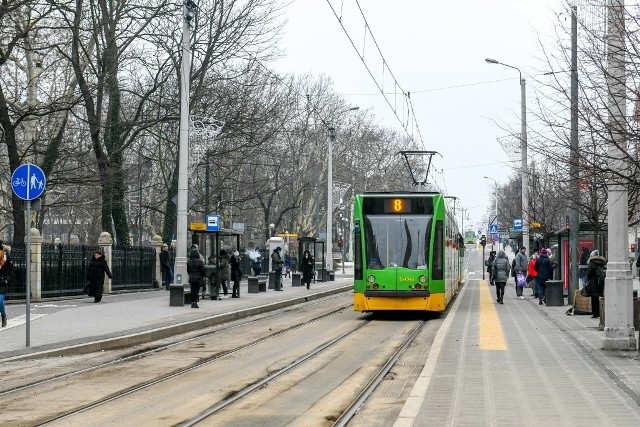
(28, 182)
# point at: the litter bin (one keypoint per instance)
(554, 294)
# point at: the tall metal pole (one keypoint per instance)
(523, 151)
(525, 168)
(183, 163)
(618, 330)
(574, 198)
(28, 274)
(331, 137)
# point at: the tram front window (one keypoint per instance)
(397, 241)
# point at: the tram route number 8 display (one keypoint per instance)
(397, 206)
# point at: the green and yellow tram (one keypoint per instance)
(407, 252)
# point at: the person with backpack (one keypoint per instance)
(596, 273)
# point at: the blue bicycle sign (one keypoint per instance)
(28, 182)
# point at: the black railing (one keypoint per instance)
(133, 267)
(64, 269)
(17, 288)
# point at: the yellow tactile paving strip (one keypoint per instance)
(491, 336)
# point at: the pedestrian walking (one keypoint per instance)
(521, 267)
(489, 264)
(532, 274)
(544, 268)
(223, 266)
(165, 266)
(307, 268)
(276, 265)
(287, 264)
(6, 278)
(196, 272)
(500, 273)
(236, 274)
(596, 273)
(98, 267)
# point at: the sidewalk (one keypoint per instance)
(73, 326)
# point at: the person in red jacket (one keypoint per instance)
(532, 274)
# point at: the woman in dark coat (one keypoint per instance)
(545, 272)
(596, 264)
(306, 265)
(236, 274)
(98, 267)
(195, 270)
(489, 263)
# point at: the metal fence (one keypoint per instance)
(133, 267)
(18, 259)
(64, 269)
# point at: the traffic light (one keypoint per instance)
(483, 240)
(339, 243)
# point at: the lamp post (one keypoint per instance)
(188, 13)
(495, 186)
(523, 149)
(331, 131)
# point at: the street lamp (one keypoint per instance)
(523, 151)
(188, 13)
(495, 186)
(331, 131)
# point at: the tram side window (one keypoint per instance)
(437, 272)
(357, 243)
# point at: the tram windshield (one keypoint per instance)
(397, 241)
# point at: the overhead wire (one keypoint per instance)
(406, 95)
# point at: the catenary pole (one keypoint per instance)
(574, 199)
(183, 160)
(618, 293)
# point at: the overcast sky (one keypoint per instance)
(437, 51)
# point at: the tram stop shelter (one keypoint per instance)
(588, 239)
(210, 243)
(316, 247)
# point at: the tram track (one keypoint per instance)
(200, 364)
(152, 349)
(244, 388)
(350, 410)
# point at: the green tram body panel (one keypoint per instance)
(407, 252)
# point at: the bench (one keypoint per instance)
(257, 284)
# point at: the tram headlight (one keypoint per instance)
(422, 279)
(371, 278)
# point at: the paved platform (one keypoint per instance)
(73, 326)
(521, 364)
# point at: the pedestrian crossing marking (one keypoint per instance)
(20, 320)
(491, 334)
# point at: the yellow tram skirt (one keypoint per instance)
(435, 302)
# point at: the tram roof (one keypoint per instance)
(388, 193)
